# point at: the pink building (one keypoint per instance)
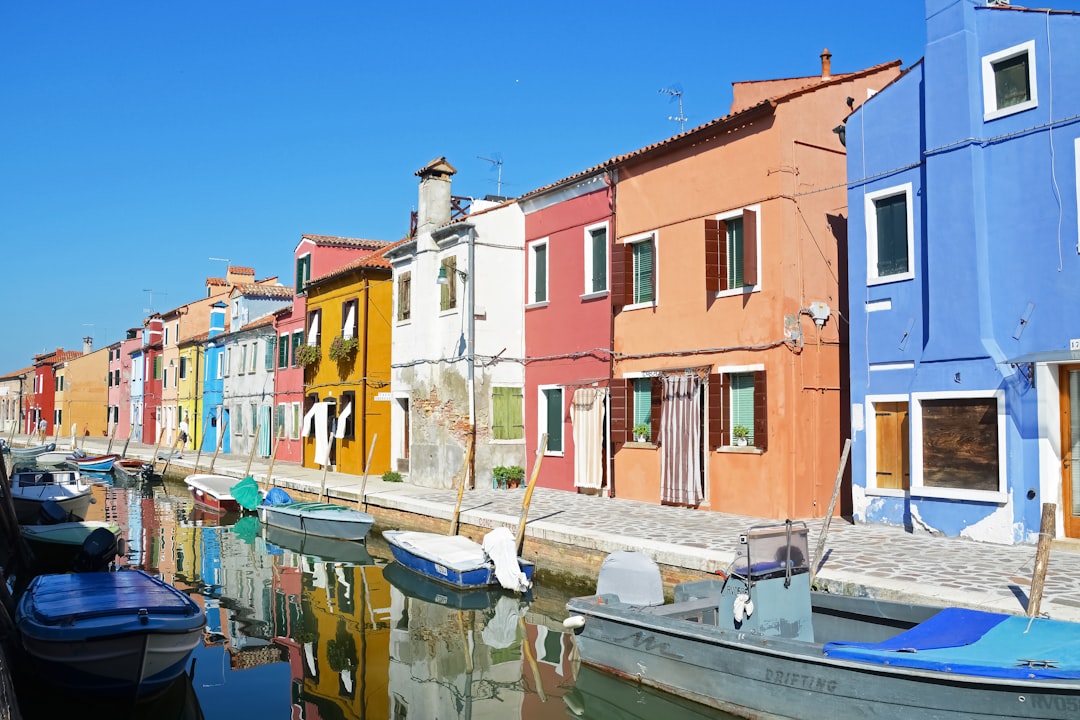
(119, 383)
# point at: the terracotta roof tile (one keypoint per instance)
(334, 241)
(241, 270)
(24, 371)
(216, 281)
(376, 260)
(264, 291)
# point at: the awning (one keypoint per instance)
(1046, 356)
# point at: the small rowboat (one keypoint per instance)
(29, 453)
(56, 546)
(454, 560)
(95, 463)
(318, 518)
(133, 469)
(31, 489)
(213, 491)
(122, 633)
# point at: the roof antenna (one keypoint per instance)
(498, 163)
(676, 94)
(150, 310)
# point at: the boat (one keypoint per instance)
(29, 453)
(56, 547)
(458, 561)
(318, 548)
(758, 642)
(599, 696)
(133, 470)
(32, 488)
(94, 463)
(123, 633)
(213, 491)
(414, 585)
(318, 518)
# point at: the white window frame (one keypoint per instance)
(870, 424)
(990, 109)
(738, 213)
(253, 358)
(587, 246)
(541, 416)
(915, 417)
(293, 421)
(531, 300)
(872, 278)
(654, 237)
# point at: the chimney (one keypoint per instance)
(433, 209)
(826, 64)
(87, 345)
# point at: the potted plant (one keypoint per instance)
(641, 432)
(515, 474)
(499, 474)
(307, 354)
(391, 476)
(741, 435)
(342, 347)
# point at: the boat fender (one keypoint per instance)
(574, 622)
(744, 607)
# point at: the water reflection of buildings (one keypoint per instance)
(334, 620)
(473, 663)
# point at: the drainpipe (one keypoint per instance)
(472, 353)
(363, 376)
(613, 181)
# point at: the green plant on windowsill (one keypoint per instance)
(642, 432)
(342, 347)
(391, 476)
(741, 435)
(307, 354)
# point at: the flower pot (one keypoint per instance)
(740, 442)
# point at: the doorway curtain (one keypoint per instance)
(680, 440)
(587, 419)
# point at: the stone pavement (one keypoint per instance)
(873, 560)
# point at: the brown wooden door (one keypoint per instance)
(1070, 448)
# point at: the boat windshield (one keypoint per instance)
(777, 549)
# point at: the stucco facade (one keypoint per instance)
(86, 393)
(963, 264)
(726, 284)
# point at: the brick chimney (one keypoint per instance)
(433, 209)
(87, 344)
(826, 64)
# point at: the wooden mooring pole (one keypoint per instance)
(1042, 557)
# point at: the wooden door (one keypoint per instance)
(1070, 448)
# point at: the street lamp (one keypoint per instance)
(443, 279)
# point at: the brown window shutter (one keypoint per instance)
(716, 411)
(750, 259)
(621, 411)
(722, 255)
(712, 255)
(622, 274)
(761, 412)
(657, 405)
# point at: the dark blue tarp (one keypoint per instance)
(277, 496)
(974, 642)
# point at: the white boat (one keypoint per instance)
(32, 488)
(213, 491)
(318, 518)
(122, 633)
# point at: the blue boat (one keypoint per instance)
(122, 633)
(454, 560)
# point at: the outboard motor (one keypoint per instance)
(98, 550)
(51, 513)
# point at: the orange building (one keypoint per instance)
(727, 285)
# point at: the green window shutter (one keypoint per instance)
(283, 351)
(642, 401)
(448, 292)
(269, 355)
(303, 272)
(554, 425)
(157, 368)
(297, 340)
(540, 273)
(643, 272)
(742, 401)
(506, 413)
(734, 252)
(599, 260)
(892, 233)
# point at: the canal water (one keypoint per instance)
(302, 628)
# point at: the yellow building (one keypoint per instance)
(348, 320)
(82, 397)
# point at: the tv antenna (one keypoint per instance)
(498, 163)
(150, 309)
(224, 260)
(676, 94)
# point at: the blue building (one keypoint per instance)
(215, 418)
(963, 264)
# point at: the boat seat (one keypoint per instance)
(702, 610)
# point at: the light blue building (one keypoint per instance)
(215, 414)
(963, 276)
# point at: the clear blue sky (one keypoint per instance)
(140, 139)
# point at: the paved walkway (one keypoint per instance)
(875, 560)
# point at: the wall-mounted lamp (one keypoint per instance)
(442, 279)
(841, 132)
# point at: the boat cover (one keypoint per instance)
(277, 496)
(501, 547)
(68, 597)
(247, 493)
(975, 642)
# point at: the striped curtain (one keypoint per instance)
(587, 416)
(680, 441)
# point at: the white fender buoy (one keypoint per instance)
(744, 607)
(574, 622)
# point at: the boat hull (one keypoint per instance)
(213, 491)
(322, 519)
(118, 634)
(30, 489)
(55, 546)
(468, 574)
(322, 549)
(99, 463)
(751, 675)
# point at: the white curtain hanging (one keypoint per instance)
(340, 433)
(680, 440)
(313, 331)
(350, 321)
(587, 419)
